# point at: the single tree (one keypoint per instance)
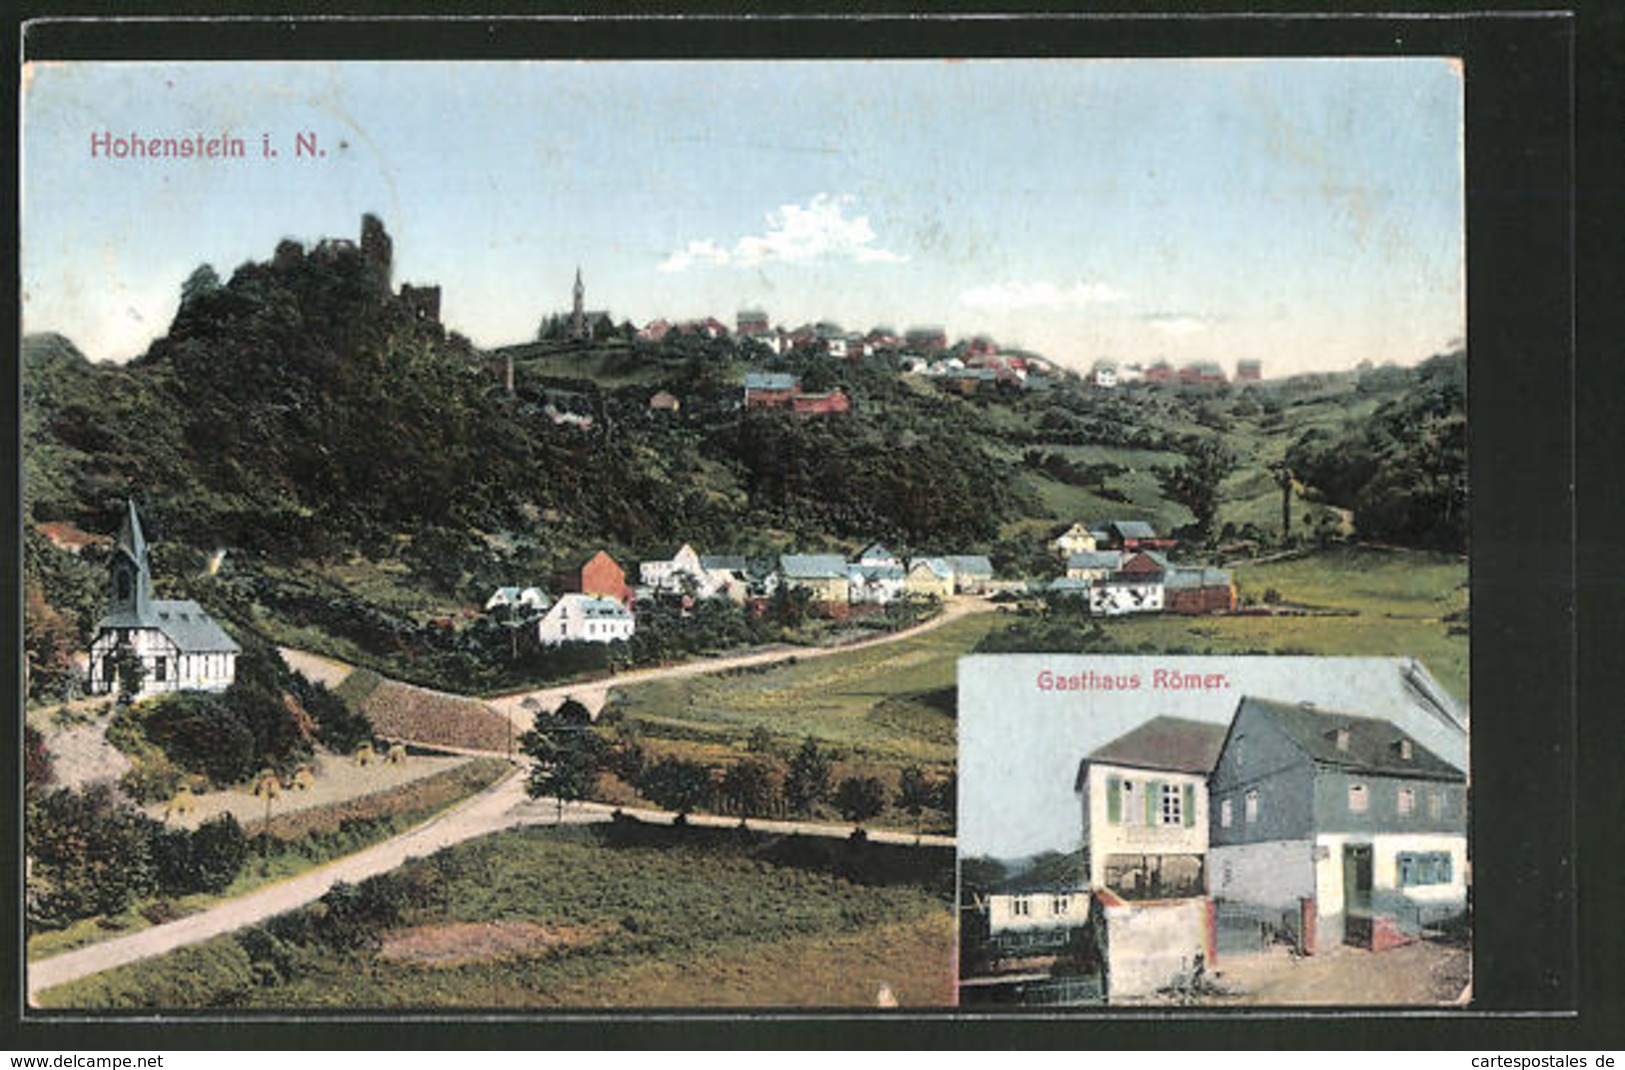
(566, 755)
(860, 798)
(807, 784)
(751, 787)
(914, 795)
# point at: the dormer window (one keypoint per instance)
(1342, 735)
(1404, 750)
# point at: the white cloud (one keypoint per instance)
(818, 230)
(1177, 324)
(1013, 295)
(697, 252)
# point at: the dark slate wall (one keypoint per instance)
(1257, 755)
(1332, 813)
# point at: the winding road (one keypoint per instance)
(501, 806)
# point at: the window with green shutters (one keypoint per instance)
(1188, 798)
(1423, 867)
(1114, 800)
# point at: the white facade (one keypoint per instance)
(585, 618)
(1020, 911)
(930, 577)
(1075, 540)
(1156, 813)
(526, 598)
(1117, 598)
(875, 585)
(165, 667)
(1386, 890)
(667, 576)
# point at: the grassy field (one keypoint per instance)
(894, 704)
(1354, 602)
(375, 818)
(890, 703)
(571, 917)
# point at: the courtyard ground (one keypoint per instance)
(1420, 974)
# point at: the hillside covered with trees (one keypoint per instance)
(367, 473)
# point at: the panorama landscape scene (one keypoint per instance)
(519, 558)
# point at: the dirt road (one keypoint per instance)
(503, 805)
(520, 707)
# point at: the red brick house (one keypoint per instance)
(770, 390)
(1202, 373)
(598, 575)
(828, 404)
(1198, 590)
(1135, 535)
(1143, 565)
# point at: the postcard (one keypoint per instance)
(527, 536)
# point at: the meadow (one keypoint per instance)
(890, 704)
(894, 704)
(576, 917)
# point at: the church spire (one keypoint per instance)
(578, 317)
(132, 579)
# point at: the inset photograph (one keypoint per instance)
(1212, 831)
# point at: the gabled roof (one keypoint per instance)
(937, 566)
(876, 550)
(1133, 529)
(1068, 585)
(970, 564)
(1170, 744)
(591, 605)
(813, 566)
(1196, 578)
(666, 553)
(875, 573)
(725, 562)
(1373, 743)
(184, 623)
(1107, 559)
(1158, 559)
(770, 381)
(595, 556)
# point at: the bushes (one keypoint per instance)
(340, 727)
(203, 734)
(860, 798)
(677, 784)
(93, 856)
(37, 772)
(206, 860)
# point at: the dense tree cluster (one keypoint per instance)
(1403, 471)
(92, 856)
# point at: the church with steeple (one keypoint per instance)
(586, 325)
(178, 646)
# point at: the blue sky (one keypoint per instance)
(1306, 213)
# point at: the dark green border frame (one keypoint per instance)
(1547, 783)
